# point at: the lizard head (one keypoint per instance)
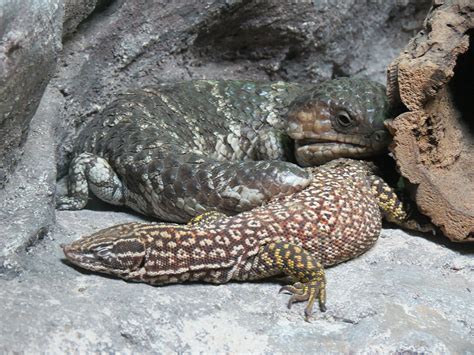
(115, 250)
(340, 118)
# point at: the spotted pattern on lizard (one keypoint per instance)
(180, 149)
(336, 218)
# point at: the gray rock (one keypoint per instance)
(30, 39)
(406, 294)
(27, 202)
(76, 11)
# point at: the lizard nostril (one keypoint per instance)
(380, 136)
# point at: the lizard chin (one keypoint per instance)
(312, 153)
(312, 149)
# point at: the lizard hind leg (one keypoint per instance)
(89, 172)
(303, 267)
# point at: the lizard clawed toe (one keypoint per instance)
(316, 290)
(297, 298)
(297, 289)
(309, 291)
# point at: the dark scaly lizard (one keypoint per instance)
(336, 218)
(180, 149)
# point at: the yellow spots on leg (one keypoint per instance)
(291, 264)
(302, 266)
(388, 201)
(206, 218)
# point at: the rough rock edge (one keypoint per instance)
(30, 40)
(75, 12)
(34, 180)
(430, 144)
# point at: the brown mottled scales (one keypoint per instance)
(337, 217)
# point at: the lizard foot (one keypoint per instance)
(297, 288)
(303, 267)
(309, 291)
(89, 172)
(70, 203)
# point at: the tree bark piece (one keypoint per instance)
(433, 79)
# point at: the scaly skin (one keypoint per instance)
(336, 218)
(181, 149)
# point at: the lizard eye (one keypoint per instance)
(344, 120)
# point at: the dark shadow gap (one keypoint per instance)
(461, 87)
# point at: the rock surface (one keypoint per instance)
(406, 294)
(75, 12)
(434, 141)
(28, 53)
(27, 202)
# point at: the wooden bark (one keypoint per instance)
(433, 80)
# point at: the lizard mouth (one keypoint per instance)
(315, 151)
(323, 142)
(84, 259)
(76, 257)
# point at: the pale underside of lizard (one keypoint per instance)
(335, 218)
(180, 149)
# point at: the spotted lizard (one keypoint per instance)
(177, 150)
(335, 218)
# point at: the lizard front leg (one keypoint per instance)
(184, 187)
(393, 209)
(303, 267)
(91, 172)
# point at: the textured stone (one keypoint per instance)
(27, 202)
(434, 142)
(76, 11)
(30, 39)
